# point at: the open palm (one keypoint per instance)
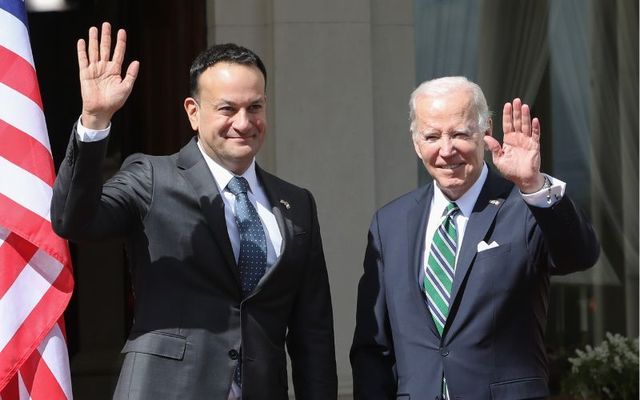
(518, 158)
(104, 90)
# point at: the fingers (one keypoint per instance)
(535, 129)
(83, 62)
(517, 115)
(507, 118)
(105, 41)
(93, 45)
(492, 144)
(526, 120)
(121, 46)
(494, 147)
(132, 74)
(100, 49)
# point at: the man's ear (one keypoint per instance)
(192, 109)
(489, 131)
(416, 147)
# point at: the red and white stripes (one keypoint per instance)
(35, 270)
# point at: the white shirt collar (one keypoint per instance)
(222, 176)
(466, 201)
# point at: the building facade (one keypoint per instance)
(340, 77)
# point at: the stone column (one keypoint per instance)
(340, 75)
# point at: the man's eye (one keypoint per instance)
(431, 138)
(255, 107)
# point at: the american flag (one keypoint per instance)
(35, 269)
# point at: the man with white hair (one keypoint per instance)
(454, 297)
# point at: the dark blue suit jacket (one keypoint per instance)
(492, 346)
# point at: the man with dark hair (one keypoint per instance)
(227, 259)
(455, 292)
(227, 52)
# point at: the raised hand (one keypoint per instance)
(518, 159)
(103, 89)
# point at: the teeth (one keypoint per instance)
(450, 166)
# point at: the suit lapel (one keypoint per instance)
(416, 224)
(279, 210)
(491, 198)
(197, 173)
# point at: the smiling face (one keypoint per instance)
(229, 114)
(448, 140)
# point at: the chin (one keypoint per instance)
(450, 182)
(451, 187)
(242, 149)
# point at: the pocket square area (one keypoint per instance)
(482, 246)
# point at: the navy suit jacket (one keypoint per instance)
(492, 346)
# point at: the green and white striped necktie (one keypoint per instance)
(441, 267)
(440, 271)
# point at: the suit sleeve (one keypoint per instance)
(569, 238)
(372, 355)
(310, 338)
(83, 209)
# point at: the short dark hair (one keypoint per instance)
(227, 52)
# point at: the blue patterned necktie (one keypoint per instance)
(252, 260)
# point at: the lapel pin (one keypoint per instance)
(495, 202)
(285, 204)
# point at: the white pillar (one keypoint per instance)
(340, 75)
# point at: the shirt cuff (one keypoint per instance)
(91, 135)
(546, 197)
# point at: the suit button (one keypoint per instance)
(233, 354)
(444, 351)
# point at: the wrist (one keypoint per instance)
(535, 185)
(94, 121)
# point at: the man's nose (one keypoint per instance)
(241, 121)
(447, 147)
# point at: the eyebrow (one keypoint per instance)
(430, 131)
(233, 103)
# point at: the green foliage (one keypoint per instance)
(606, 371)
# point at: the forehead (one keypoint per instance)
(226, 77)
(450, 110)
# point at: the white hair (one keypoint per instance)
(442, 86)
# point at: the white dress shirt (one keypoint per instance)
(257, 197)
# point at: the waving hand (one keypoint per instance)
(518, 159)
(104, 90)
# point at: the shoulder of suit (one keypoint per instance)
(407, 199)
(151, 165)
(282, 185)
(136, 158)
